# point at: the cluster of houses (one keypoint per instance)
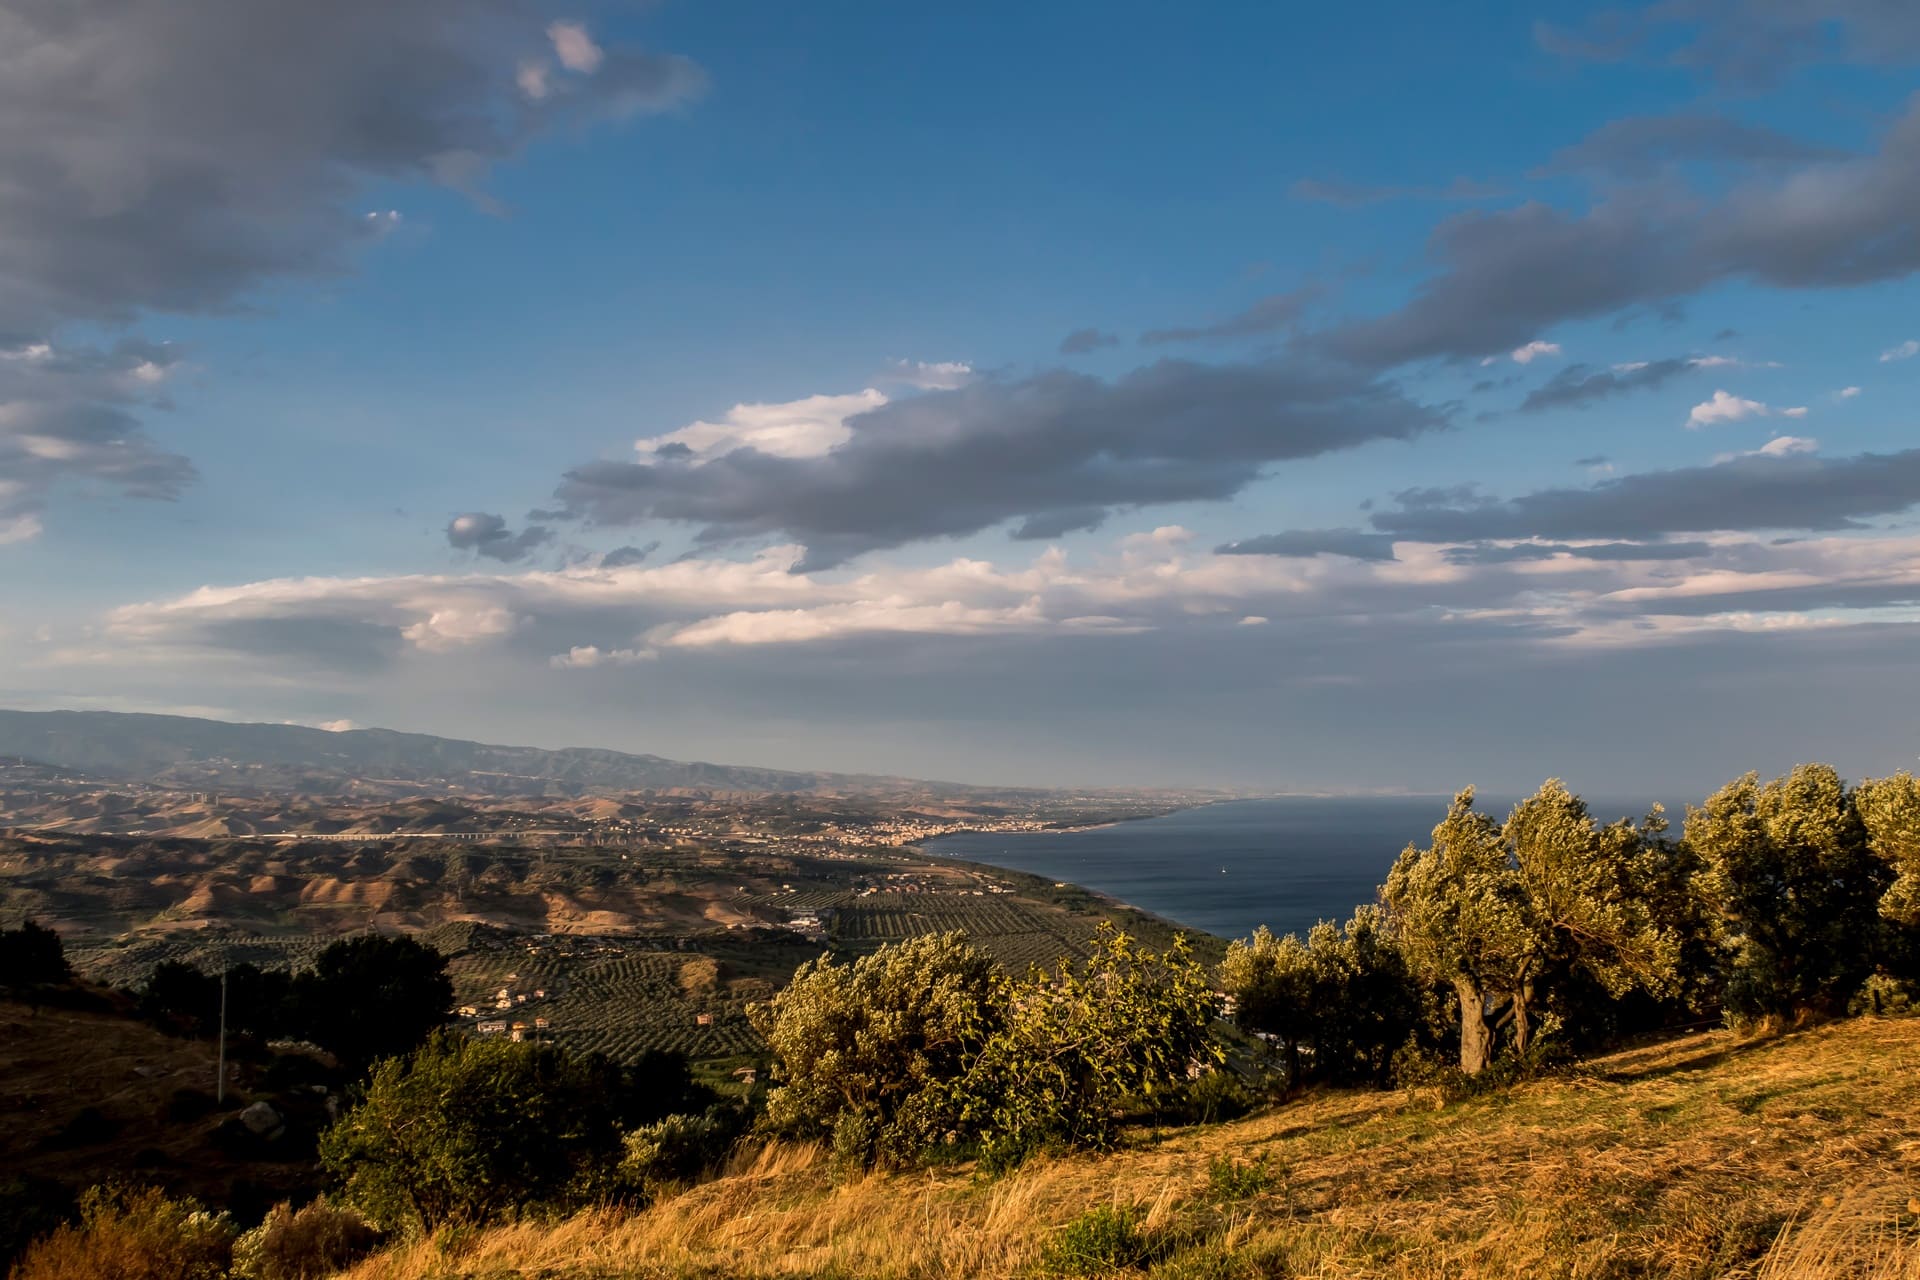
(506, 1000)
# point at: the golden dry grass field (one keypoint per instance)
(1708, 1156)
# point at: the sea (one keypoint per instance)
(1226, 868)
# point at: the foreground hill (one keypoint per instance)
(187, 752)
(1709, 1156)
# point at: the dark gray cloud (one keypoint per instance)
(1593, 460)
(1269, 315)
(487, 535)
(1506, 277)
(1793, 492)
(1354, 195)
(622, 556)
(1578, 385)
(1353, 543)
(1520, 552)
(1081, 341)
(1643, 146)
(67, 419)
(1744, 43)
(173, 157)
(1048, 450)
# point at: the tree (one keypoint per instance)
(31, 956)
(1584, 889)
(1890, 810)
(1128, 1024)
(1459, 912)
(371, 997)
(1340, 1003)
(466, 1130)
(1498, 912)
(868, 1051)
(1796, 888)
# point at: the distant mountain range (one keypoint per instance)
(190, 753)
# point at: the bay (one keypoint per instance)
(1285, 862)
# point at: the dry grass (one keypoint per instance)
(1779, 1159)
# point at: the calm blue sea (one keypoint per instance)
(1226, 868)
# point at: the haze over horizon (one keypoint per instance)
(1046, 395)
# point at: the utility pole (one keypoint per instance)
(220, 1086)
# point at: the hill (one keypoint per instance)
(1708, 1156)
(183, 751)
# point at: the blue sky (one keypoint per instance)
(1339, 400)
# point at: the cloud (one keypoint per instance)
(583, 656)
(1724, 407)
(487, 535)
(150, 163)
(1270, 314)
(943, 375)
(1752, 493)
(1905, 351)
(1641, 147)
(575, 48)
(1778, 447)
(1081, 341)
(1353, 195)
(805, 428)
(1503, 276)
(1581, 384)
(1535, 350)
(1482, 553)
(1051, 450)
(621, 557)
(1743, 45)
(1313, 542)
(1846, 393)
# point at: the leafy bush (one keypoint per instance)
(677, 1150)
(473, 1130)
(133, 1235)
(30, 1207)
(31, 956)
(304, 1244)
(1883, 996)
(1104, 1239)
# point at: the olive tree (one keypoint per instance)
(1789, 871)
(1890, 810)
(1339, 1003)
(868, 1052)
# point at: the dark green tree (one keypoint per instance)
(31, 956)
(371, 997)
(465, 1130)
(1796, 889)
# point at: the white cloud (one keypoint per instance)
(1778, 447)
(1905, 351)
(575, 48)
(532, 77)
(456, 627)
(1797, 411)
(21, 528)
(1724, 407)
(582, 656)
(1253, 620)
(1846, 393)
(803, 428)
(336, 726)
(1535, 350)
(939, 375)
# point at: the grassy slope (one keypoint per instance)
(1706, 1156)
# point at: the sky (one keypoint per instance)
(1369, 397)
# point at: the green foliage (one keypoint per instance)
(31, 956)
(309, 1243)
(1890, 810)
(1101, 1241)
(1230, 1178)
(133, 1235)
(371, 997)
(1885, 996)
(1340, 1003)
(473, 1130)
(677, 1150)
(1796, 890)
(1500, 912)
(869, 1051)
(1079, 1042)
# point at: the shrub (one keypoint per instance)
(133, 1235)
(1229, 1178)
(30, 1207)
(1104, 1239)
(304, 1244)
(470, 1130)
(31, 956)
(1883, 996)
(676, 1151)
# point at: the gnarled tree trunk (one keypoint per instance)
(1476, 1037)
